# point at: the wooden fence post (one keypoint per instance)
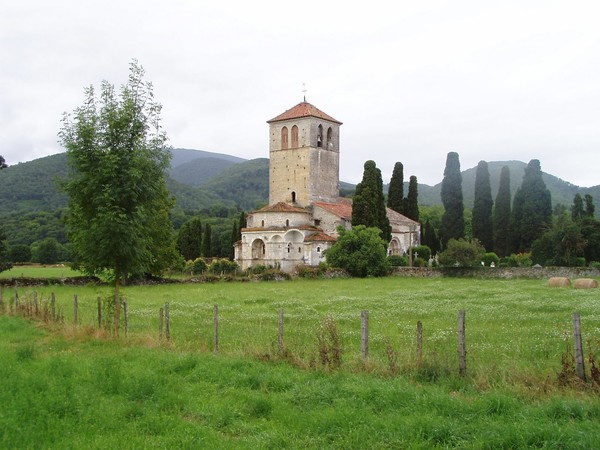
(161, 316)
(99, 313)
(462, 349)
(364, 334)
(579, 366)
(167, 321)
(75, 310)
(53, 307)
(419, 343)
(280, 338)
(216, 329)
(125, 317)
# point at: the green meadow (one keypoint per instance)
(72, 385)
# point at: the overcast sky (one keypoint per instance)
(410, 80)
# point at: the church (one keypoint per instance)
(305, 209)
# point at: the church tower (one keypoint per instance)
(304, 152)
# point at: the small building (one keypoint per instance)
(305, 209)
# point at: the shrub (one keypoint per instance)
(397, 261)
(490, 258)
(19, 253)
(519, 260)
(460, 252)
(196, 267)
(222, 266)
(361, 251)
(422, 251)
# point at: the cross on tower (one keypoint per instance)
(304, 90)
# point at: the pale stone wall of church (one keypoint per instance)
(309, 171)
(329, 222)
(277, 219)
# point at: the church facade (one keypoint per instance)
(305, 209)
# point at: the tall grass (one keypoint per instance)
(516, 329)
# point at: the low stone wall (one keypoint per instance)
(506, 273)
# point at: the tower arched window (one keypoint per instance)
(287, 222)
(329, 138)
(294, 136)
(320, 136)
(284, 138)
(293, 197)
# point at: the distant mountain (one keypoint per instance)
(199, 180)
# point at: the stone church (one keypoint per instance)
(305, 208)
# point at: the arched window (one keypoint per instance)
(262, 223)
(293, 197)
(284, 138)
(294, 136)
(320, 136)
(318, 249)
(287, 222)
(329, 138)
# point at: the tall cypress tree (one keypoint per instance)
(368, 203)
(189, 239)
(396, 190)
(482, 224)
(430, 238)
(453, 221)
(411, 209)
(235, 229)
(532, 209)
(577, 212)
(207, 242)
(589, 205)
(501, 216)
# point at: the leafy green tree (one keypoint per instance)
(189, 239)
(411, 208)
(453, 221)
(19, 253)
(462, 253)
(207, 241)
(235, 229)
(589, 205)
(5, 263)
(532, 209)
(368, 205)
(47, 251)
(360, 251)
(590, 231)
(4, 260)
(563, 245)
(395, 199)
(501, 215)
(577, 212)
(482, 224)
(119, 206)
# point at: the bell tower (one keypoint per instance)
(304, 156)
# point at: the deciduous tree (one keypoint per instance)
(189, 239)
(119, 206)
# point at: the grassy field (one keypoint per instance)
(72, 387)
(40, 271)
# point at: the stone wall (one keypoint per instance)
(506, 273)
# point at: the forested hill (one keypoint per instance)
(201, 180)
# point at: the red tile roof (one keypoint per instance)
(282, 207)
(319, 237)
(303, 109)
(342, 209)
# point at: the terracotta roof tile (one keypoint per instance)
(398, 218)
(319, 237)
(303, 109)
(342, 209)
(281, 207)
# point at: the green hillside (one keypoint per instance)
(200, 170)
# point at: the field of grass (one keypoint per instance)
(40, 271)
(73, 387)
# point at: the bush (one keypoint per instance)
(422, 251)
(397, 261)
(19, 253)
(222, 266)
(196, 267)
(519, 260)
(360, 251)
(490, 258)
(460, 252)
